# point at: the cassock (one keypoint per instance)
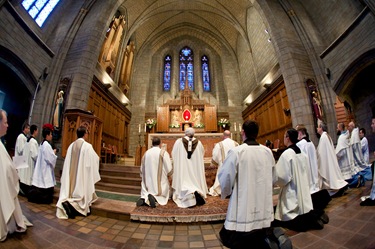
(188, 173)
(79, 175)
(292, 176)
(44, 176)
(246, 176)
(330, 176)
(218, 155)
(344, 155)
(156, 166)
(308, 148)
(20, 144)
(11, 218)
(26, 174)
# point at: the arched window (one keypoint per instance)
(39, 10)
(206, 74)
(167, 73)
(186, 68)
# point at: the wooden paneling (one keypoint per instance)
(270, 115)
(162, 122)
(210, 118)
(114, 117)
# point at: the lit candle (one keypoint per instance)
(139, 128)
(145, 127)
(235, 126)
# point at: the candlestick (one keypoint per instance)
(145, 127)
(139, 128)
(239, 127)
(235, 126)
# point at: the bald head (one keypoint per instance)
(226, 134)
(351, 126)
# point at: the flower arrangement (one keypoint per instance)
(150, 123)
(223, 122)
(199, 125)
(174, 126)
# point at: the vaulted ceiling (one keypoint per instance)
(219, 21)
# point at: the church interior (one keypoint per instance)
(131, 70)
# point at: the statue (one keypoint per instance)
(58, 110)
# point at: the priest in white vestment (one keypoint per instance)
(21, 140)
(189, 179)
(11, 217)
(246, 177)
(343, 152)
(308, 148)
(219, 153)
(370, 200)
(30, 151)
(156, 167)
(330, 176)
(294, 208)
(44, 181)
(364, 145)
(79, 175)
(361, 171)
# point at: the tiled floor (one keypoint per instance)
(350, 226)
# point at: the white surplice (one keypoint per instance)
(246, 176)
(44, 175)
(218, 155)
(188, 174)
(292, 177)
(358, 163)
(20, 144)
(79, 175)
(11, 218)
(365, 150)
(330, 176)
(344, 155)
(309, 149)
(156, 166)
(31, 153)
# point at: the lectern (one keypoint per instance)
(74, 118)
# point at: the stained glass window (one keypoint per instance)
(39, 10)
(186, 68)
(167, 73)
(206, 74)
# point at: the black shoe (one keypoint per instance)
(340, 192)
(324, 218)
(69, 212)
(200, 200)
(140, 202)
(152, 201)
(367, 202)
(318, 225)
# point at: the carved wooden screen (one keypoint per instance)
(210, 118)
(162, 123)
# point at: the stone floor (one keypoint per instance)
(350, 226)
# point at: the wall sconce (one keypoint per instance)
(286, 112)
(267, 86)
(107, 85)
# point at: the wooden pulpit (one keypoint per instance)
(75, 118)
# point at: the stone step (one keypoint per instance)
(112, 172)
(119, 188)
(121, 180)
